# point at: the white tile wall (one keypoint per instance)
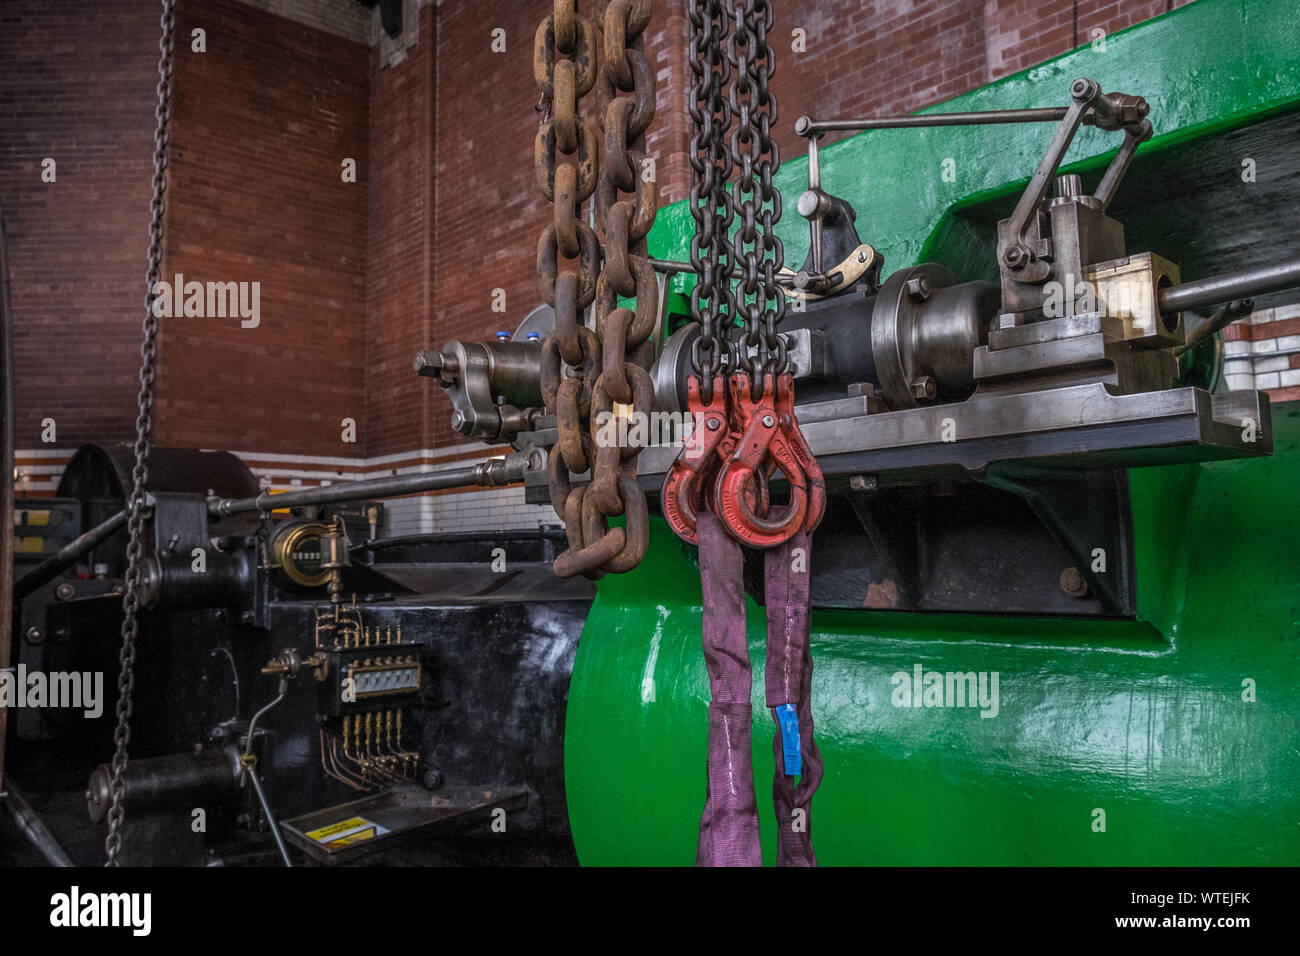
(1265, 363)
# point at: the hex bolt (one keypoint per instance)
(1073, 584)
(925, 387)
(918, 287)
(713, 424)
(862, 483)
(1014, 257)
(768, 421)
(458, 421)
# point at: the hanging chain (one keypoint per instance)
(757, 248)
(143, 427)
(584, 372)
(711, 204)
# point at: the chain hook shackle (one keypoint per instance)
(765, 446)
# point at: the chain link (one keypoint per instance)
(757, 248)
(584, 373)
(143, 428)
(710, 202)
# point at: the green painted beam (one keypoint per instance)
(1145, 720)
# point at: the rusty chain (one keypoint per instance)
(143, 428)
(585, 373)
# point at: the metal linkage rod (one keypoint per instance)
(807, 126)
(498, 471)
(67, 556)
(33, 827)
(1234, 285)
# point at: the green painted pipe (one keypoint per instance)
(1180, 726)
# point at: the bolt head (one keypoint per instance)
(458, 420)
(768, 421)
(918, 287)
(1072, 583)
(925, 387)
(862, 483)
(713, 424)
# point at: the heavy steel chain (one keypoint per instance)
(757, 247)
(143, 428)
(585, 372)
(710, 204)
(747, 435)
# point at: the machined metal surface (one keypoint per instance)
(1067, 424)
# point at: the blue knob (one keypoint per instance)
(503, 336)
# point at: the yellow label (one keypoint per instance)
(347, 832)
(334, 829)
(368, 833)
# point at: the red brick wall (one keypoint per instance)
(261, 124)
(77, 85)
(401, 241)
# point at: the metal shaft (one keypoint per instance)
(1234, 285)
(270, 818)
(499, 471)
(55, 564)
(807, 126)
(34, 828)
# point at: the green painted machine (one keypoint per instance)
(1160, 726)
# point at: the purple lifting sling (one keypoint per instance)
(729, 825)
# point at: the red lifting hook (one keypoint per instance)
(770, 439)
(687, 481)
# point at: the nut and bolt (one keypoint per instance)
(713, 424)
(925, 388)
(768, 421)
(918, 287)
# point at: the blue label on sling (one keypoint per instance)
(789, 721)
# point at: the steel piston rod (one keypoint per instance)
(497, 471)
(807, 126)
(1235, 285)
